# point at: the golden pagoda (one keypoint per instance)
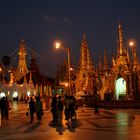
(85, 75)
(123, 80)
(22, 69)
(120, 81)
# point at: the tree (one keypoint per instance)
(6, 60)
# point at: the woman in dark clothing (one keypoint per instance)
(39, 109)
(31, 109)
(54, 109)
(6, 108)
(60, 111)
(2, 107)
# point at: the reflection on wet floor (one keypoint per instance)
(108, 121)
(14, 105)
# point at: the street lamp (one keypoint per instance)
(58, 45)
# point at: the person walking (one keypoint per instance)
(66, 111)
(60, 112)
(39, 109)
(31, 109)
(95, 102)
(6, 108)
(2, 107)
(54, 110)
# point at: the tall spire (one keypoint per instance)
(118, 48)
(85, 59)
(122, 51)
(105, 62)
(84, 36)
(84, 52)
(100, 66)
(84, 76)
(22, 67)
(113, 61)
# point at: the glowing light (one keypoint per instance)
(15, 94)
(66, 84)
(2, 94)
(131, 43)
(8, 93)
(28, 93)
(71, 69)
(57, 45)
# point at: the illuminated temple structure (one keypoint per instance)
(121, 80)
(23, 81)
(118, 79)
(85, 77)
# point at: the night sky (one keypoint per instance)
(41, 22)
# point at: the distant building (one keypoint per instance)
(23, 81)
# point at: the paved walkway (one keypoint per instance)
(109, 124)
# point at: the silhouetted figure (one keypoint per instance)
(31, 109)
(66, 111)
(60, 111)
(54, 110)
(95, 101)
(2, 107)
(6, 108)
(39, 109)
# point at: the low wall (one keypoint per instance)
(120, 104)
(88, 101)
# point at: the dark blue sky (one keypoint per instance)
(41, 22)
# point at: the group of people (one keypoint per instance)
(68, 104)
(59, 104)
(4, 107)
(35, 106)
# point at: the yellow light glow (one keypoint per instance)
(57, 45)
(131, 43)
(28, 93)
(71, 69)
(66, 84)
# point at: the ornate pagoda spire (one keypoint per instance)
(85, 59)
(113, 61)
(84, 52)
(122, 50)
(100, 68)
(22, 67)
(105, 62)
(84, 76)
(118, 48)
